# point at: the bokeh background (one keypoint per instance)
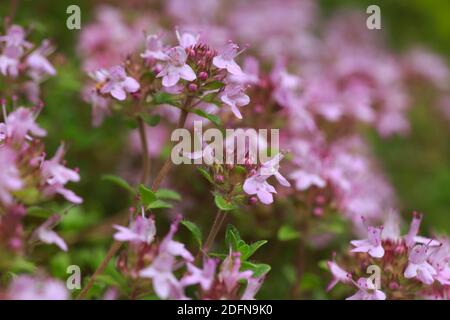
(418, 165)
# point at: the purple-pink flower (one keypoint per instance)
(226, 59)
(176, 68)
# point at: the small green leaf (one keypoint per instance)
(258, 269)
(39, 212)
(286, 233)
(195, 230)
(118, 181)
(147, 195)
(211, 117)
(168, 194)
(206, 175)
(223, 204)
(253, 248)
(159, 204)
(164, 98)
(213, 85)
(153, 120)
(232, 237)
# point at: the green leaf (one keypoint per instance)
(164, 98)
(39, 212)
(232, 237)
(253, 248)
(258, 269)
(168, 194)
(153, 120)
(223, 204)
(211, 117)
(213, 85)
(206, 175)
(159, 204)
(286, 233)
(195, 230)
(147, 195)
(118, 181)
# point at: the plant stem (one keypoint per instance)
(145, 157)
(116, 244)
(168, 163)
(111, 253)
(218, 221)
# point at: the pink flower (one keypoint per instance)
(229, 271)
(20, 123)
(226, 60)
(257, 184)
(9, 175)
(141, 230)
(253, 286)
(176, 68)
(187, 39)
(26, 287)
(440, 259)
(56, 176)
(339, 275)
(367, 291)
(116, 82)
(38, 63)
(412, 236)
(161, 270)
(9, 65)
(15, 40)
(204, 277)
(372, 244)
(234, 96)
(45, 233)
(154, 48)
(418, 266)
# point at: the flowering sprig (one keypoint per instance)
(29, 178)
(412, 266)
(24, 64)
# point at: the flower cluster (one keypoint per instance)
(23, 63)
(411, 266)
(29, 178)
(172, 268)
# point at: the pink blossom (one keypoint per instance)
(226, 60)
(38, 63)
(204, 277)
(9, 175)
(26, 287)
(230, 274)
(367, 291)
(57, 175)
(187, 39)
(141, 230)
(234, 96)
(257, 183)
(176, 68)
(418, 266)
(154, 48)
(9, 65)
(14, 40)
(252, 288)
(20, 123)
(372, 244)
(161, 270)
(440, 259)
(116, 82)
(339, 275)
(45, 233)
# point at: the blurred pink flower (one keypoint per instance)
(372, 245)
(25, 287)
(418, 266)
(176, 68)
(367, 291)
(9, 175)
(226, 59)
(45, 233)
(141, 230)
(234, 96)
